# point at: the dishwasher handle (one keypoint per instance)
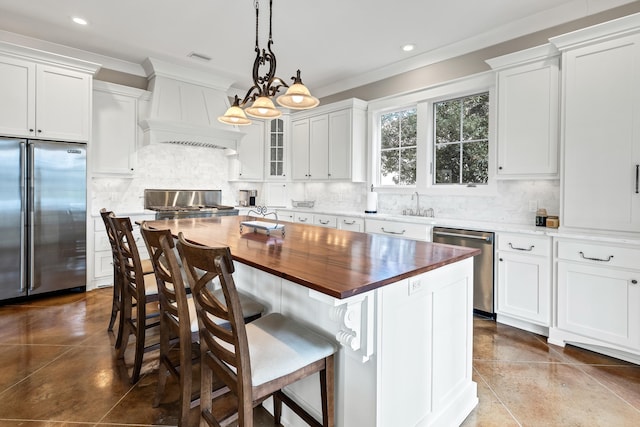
(487, 239)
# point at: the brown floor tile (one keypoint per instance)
(555, 394)
(59, 369)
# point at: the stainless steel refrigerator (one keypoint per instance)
(42, 217)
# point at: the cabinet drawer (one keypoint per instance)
(600, 254)
(399, 229)
(524, 244)
(304, 218)
(351, 224)
(288, 216)
(325, 220)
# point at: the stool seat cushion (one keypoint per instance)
(279, 346)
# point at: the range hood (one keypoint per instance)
(185, 104)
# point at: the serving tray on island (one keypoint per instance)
(265, 226)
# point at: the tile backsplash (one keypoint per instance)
(185, 167)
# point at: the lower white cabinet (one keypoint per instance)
(350, 223)
(283, 215)
(329, 221)
(399, 229)
(523, 280)
(303, 218)
(598, 296)
(102, 271)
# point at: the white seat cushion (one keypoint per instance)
(279, 346)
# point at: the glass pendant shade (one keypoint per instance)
(263, 108)
(298, 97)
(234, 116)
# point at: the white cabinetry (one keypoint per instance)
(528, 111)
(102, 271)
(601, 94)
(115, 128)
(284, 215)
(407, 230)
(350, 223)
(303, 218)
(329, 221)
(277, 155)
(248, 164)
(42, 99)
(329, 143)
(523, 281)
(598, 297)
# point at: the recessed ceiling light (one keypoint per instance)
(408, 47)
(79, 20)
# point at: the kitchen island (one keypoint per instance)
(401, 310)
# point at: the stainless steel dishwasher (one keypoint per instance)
(482, 264)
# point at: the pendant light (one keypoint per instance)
(265, 87)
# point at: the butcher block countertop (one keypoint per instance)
(337, 263)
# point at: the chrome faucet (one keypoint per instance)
(417, 202)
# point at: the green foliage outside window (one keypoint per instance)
(461, 134)
(398, 134)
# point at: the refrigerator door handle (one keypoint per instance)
(23, 208)
(31, 216)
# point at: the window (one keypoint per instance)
(461, 140)
(276, 148)
(436, 140)
(398, 142)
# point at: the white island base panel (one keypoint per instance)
(405, 357)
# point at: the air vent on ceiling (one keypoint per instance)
(199, 56)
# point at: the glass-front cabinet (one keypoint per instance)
(276, 157)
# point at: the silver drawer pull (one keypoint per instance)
(348, 223)
(302, 219)
(392, 232)
(596, 259)
(521, 249)
(323, 222)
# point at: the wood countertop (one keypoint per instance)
(337, 263)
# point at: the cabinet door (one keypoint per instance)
(63, 104)
(17, 102)
(528, 120)
(340, 145)
(600, 303)
(300, 149)
(115, 130)
(602, 136)
(276, 166)
(524, 287)
(251, 152)
(319, 147)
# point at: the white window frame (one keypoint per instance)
(423, 100)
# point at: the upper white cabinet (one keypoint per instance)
(115, 130)
(528, 111)
(248, 163)
(43, 99)
(601, 127)
(328, 143)
(277, 155)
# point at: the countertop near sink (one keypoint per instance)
(631, 238)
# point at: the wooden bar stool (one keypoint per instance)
(138, 290)
(256, 360)
(116, 304)
(178, 320)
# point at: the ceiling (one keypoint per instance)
(338, 44)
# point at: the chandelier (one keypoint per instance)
(265, 87)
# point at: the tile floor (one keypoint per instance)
(57, 368)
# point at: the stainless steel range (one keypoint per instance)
(176, 204)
